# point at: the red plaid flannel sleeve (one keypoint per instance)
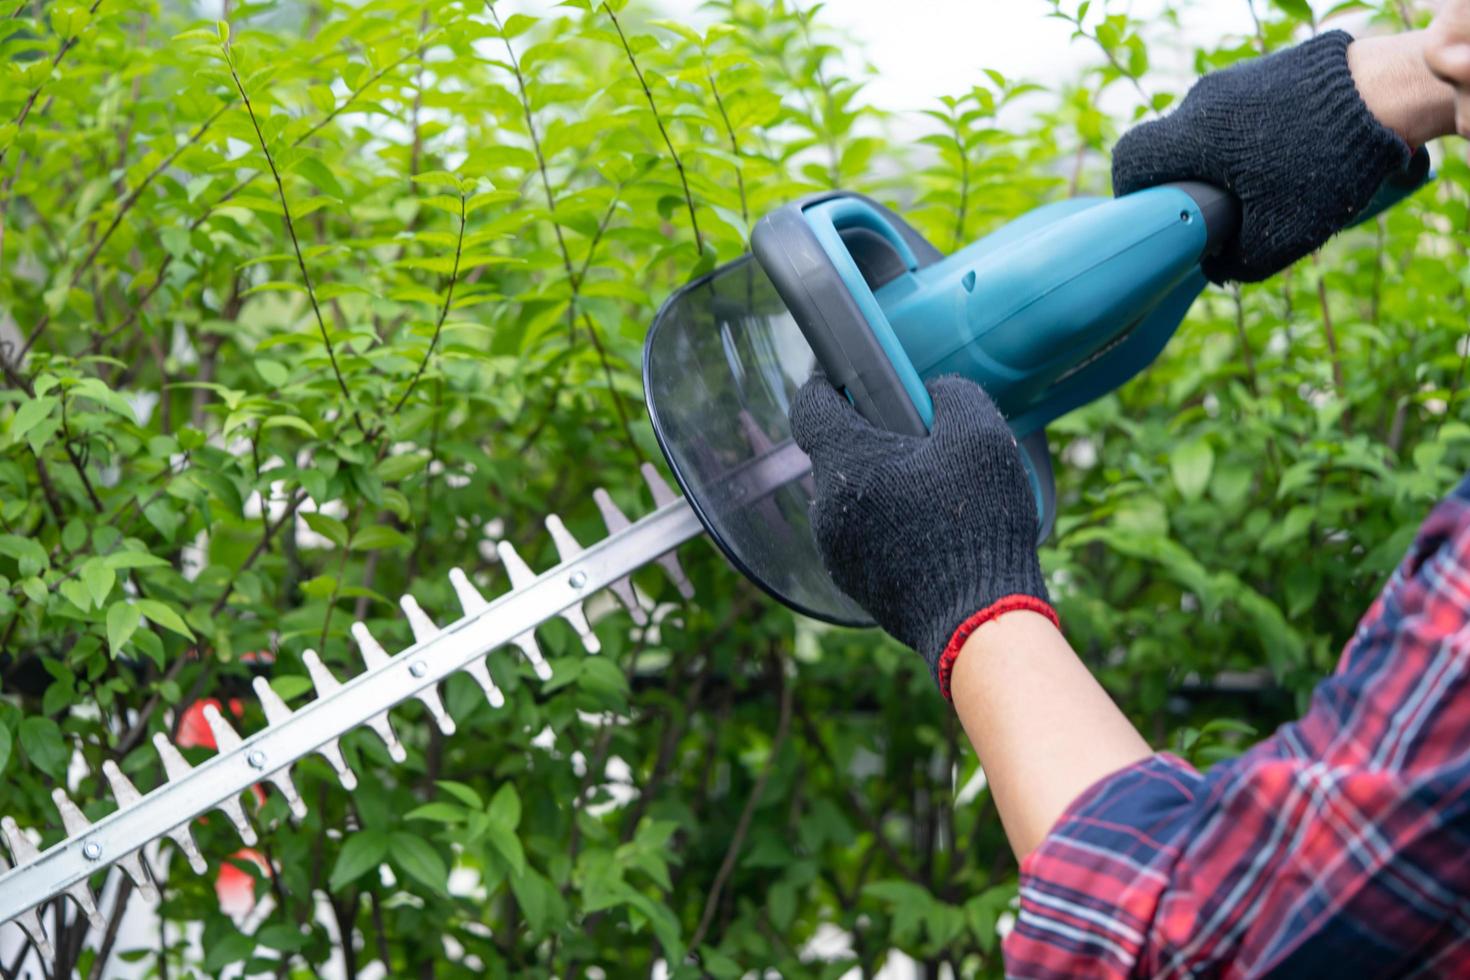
(1340, 843)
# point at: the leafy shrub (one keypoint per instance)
(305, 309)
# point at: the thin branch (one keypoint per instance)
(1339, 379)
(291, 231)
(734, 144)
(742, 825)
(673, 154)
(443, 312)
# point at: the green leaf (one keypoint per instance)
(1297, 9)
(1190, 464)
(505, 842)
(376, 536)
(6, 741)
(505, 807)
(99, 580)
(31, 413)
(361, 852)
(163, 615)
(328, 527)
(28, 554)
(438, 178)
(122, 620)
(290, 422)
(419, 858)
(76, 593)
(461, 792)
(438, 812)
(43, 744)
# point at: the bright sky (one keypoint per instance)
(923, 49)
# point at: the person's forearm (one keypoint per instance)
(1398, 86)
(1043, 727)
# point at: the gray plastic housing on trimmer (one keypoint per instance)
(823, 306)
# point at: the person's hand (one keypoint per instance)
(1289, 135)
(1447, 53)
(932, 535)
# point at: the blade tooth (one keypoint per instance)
(281, 780)
(527, 642)
(30, 922)
(173, 765)
(24, 852)
(276, 712)
(226, 739)
(754, 434)
(567, 548)
(662, 495)
(372, 651)
(470, 599)
(615, 520)
(72, 817)
(424, 629)
(176, 766)
(325, 683)
(520, 576)
(127, 794)
(515, 566)
(321, 677)
(332, 752)
(476, 668)
(418, 621)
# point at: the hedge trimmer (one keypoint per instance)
(1052, 311)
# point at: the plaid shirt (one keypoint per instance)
(1339, 846)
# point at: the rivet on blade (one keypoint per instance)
(424, 630)
(24, 852)
(227, 740)
(276, 713)
(30, 924)
(520, 576)
(126, 795)
(325, 684)
(77, 825)
(662, 496)
(615, 520)
(176, 766)
(567, 548)
(374, 656)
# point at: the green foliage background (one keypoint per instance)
(408, 284)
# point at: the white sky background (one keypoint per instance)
(923, 49)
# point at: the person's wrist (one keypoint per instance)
(1399, 89)
(1013, 604)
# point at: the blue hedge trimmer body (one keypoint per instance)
(1049, 312)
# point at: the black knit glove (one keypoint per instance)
(932, 535)
(1288, 135)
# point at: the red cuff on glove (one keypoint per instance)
(1011, 603)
